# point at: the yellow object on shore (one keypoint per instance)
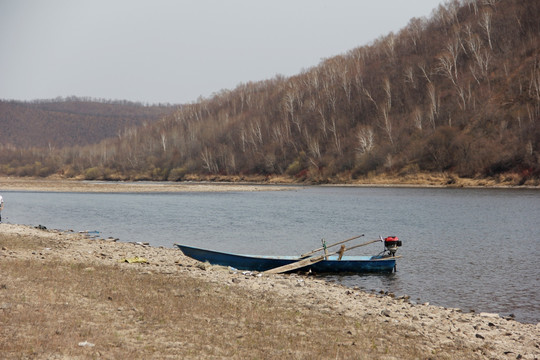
(135, 259)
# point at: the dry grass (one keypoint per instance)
(126, 314)
(48, 307)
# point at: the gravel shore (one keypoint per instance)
(436, 332)
(64, 185)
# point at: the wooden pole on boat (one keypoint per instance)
(329, 246)
(311, 260)
(341, 251)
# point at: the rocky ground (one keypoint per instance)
(419, 331)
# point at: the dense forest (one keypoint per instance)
(71, 121)
(457, 93)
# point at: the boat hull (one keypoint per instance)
(348, 264)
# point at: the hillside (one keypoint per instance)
(72, 121)
(456, 93)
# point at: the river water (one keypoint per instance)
(474, 249)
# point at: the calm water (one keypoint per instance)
(476, 249)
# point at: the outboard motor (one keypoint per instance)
(391, 243)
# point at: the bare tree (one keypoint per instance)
(417, 118)
(346, 85)
(390, 46)
(387, 124)
(256, 132)
(337, 138)
(163, 137)
(331, 97)
(209, 163)
(368, 95)
(388, 92)
(323, 124)
(288, 104)
(423, 67)
(446, 67)
(480, 55)
(534, 83)
(414, 29)
(313, 147)
(434, 104)
(454, 47)
(461, 94)
(409, 76)
(277, 136)
(366, 140)
(485, 23)
(472, 4)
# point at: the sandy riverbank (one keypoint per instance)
(64, 185)
(223, 184)
(52, 306)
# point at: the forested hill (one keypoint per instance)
(71, 121)
(456, 93)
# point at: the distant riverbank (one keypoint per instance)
(254, 183)
(64, 185)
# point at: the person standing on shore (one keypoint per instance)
(1, 206)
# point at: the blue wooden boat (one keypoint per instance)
(347, 264)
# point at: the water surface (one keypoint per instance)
(467, 248)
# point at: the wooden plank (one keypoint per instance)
(296, 265)
(312, 260)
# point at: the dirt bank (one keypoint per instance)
(64, 185)
(223, 183)
(64, 295)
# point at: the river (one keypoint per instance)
(473, 249)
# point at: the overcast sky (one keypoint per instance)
(177, 50)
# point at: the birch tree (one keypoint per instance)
(434, 104)
(387, 124)
(366, 140)
(485, 23)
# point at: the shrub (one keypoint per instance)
(294, 168)
(92, 173)
(177, 174)
(159, 174)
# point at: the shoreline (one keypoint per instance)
(63, 185)
(101, 186)
(418, 330)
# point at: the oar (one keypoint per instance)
(309, 261)
(329, 246)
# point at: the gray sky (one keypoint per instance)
(177, 50)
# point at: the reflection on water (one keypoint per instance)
(466, 248)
